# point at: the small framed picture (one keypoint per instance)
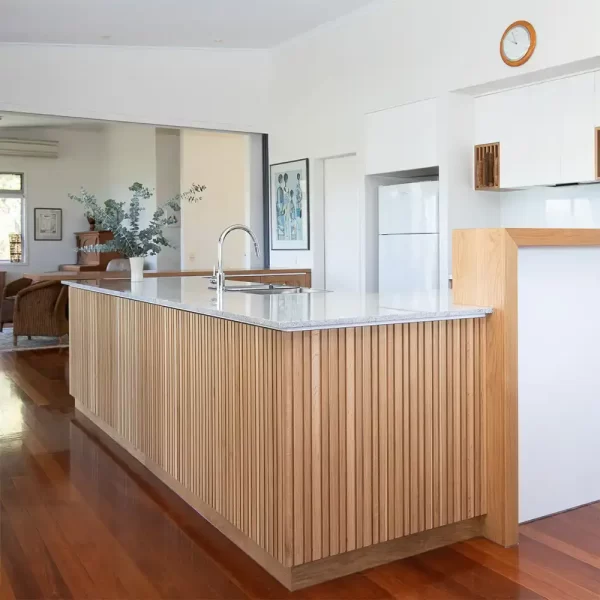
(48, 224)
(289, 207)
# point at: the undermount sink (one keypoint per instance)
(279, 290)
(266, 289)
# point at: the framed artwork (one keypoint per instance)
(289, 206)
(48, 224)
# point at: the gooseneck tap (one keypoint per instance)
(218, 275)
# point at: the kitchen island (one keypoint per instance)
(323, 433)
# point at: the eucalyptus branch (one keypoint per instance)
(130, 240)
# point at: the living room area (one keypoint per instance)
(47, 162)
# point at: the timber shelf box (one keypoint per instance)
(487, 166)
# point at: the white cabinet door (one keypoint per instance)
(489, 118)
(577, 145)
(505, 117)
(514, 117)
(544, 140)
(546, 131)
(530, 145)
(402, 138)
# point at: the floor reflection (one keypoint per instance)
(11, 409)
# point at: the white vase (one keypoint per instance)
(137, 268)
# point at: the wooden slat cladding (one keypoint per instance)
(312, 444)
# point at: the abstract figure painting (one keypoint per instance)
(289, 216)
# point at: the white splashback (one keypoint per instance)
(576, 206)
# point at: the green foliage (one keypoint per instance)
(128, 238)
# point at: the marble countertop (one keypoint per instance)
(288, 312)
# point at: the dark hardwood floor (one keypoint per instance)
(77, 522)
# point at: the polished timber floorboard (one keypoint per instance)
(76, 522)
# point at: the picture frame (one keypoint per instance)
(289, 206)
(47, 224)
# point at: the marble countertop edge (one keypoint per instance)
(291, 325)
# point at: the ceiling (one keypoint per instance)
(183, 23)
(8, 120)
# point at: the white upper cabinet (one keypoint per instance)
(402, 138)
(578, 123)
(542, 146)
(489, 111)
(546, 131)
(519, 165)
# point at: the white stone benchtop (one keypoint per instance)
(288, 312)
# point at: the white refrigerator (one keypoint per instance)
(408, 237)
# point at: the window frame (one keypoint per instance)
(23, 196)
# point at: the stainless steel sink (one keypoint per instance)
(279, 290)
(266, 289)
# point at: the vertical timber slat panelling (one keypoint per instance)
(310, 443)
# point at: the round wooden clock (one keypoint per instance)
(518, 43)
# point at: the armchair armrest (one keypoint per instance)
(42, 295)
(14, 287)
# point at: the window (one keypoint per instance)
(12, 217)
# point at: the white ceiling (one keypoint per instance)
(185, 23)
(8, 120)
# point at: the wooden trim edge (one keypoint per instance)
(554, 237)
(485, 265)
(526, 237)
(366, 558)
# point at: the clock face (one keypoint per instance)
(516, 43)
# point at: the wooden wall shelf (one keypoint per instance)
(487, 166)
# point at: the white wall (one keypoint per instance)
(310, 94)
(223, 162)
(131, 157)
(47, 183)
(168, 175)
(217, 89)
(343, 252)
(399, 51)
(256, 199)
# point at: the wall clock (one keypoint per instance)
(518, 43)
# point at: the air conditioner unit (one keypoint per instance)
(28, 148)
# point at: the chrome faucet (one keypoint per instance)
(218, 275)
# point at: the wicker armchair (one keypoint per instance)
(7, 299)
(41, 309)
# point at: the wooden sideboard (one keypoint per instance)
(299, 277)
(91, 261)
